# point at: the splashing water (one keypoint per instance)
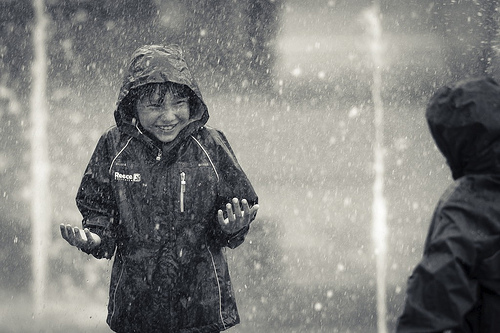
(379, 207)
(40, 165)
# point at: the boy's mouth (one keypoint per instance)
(166, 128)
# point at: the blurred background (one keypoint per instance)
(290, 83)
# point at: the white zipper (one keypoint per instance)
(183, 190)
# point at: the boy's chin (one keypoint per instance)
(166, 138)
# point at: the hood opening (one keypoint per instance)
(157, 64)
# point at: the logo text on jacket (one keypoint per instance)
(136, 177)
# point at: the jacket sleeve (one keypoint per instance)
(440, 290)
(233, 183)
(96, 201)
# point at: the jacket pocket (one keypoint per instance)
(132, 304)
(195, 190)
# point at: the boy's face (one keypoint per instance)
(163, 117)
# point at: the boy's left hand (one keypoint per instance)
(237, 218)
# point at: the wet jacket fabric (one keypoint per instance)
(456, 285)
(155, 207)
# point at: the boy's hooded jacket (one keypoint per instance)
(169, 273)
(456, 286)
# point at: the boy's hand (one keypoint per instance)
(236, 217)
(82, 239)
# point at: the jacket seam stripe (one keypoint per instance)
(118, 154)
(218, 287)
(206, 153)
(116, 289)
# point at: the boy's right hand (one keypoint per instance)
(82, 239)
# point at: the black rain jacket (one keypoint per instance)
(456, 285)
(170, 272)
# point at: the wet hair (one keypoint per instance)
(162, 89)
(148, 91)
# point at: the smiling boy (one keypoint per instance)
(180, 198)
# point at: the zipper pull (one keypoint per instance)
(158, 157)
(183, 189)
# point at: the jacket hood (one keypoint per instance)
(464, 120)
(158, 64)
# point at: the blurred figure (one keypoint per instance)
(456, 285)
(165, 195)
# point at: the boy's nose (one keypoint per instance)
(167, 113)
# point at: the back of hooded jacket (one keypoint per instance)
(456, 285)
(155, 207)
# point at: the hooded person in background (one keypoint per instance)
(164, 194)
(456, 285)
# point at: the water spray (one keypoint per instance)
(379, 206)
(40, 165)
